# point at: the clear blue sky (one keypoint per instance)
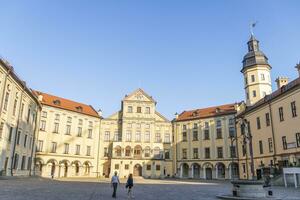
(186, 54)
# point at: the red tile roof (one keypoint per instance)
(207, 112)
(66, 104)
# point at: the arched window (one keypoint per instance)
(147, 152)
(157, 153)
(118, 151)
(128, 151)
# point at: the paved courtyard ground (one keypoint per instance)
(93, 189)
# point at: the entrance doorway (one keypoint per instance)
(137, 170)
(208, 172)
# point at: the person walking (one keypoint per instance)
(129, 186)
(114, 183)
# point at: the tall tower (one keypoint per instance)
(256, 70)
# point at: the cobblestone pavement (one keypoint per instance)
(94, 189)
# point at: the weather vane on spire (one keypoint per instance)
(252, 25)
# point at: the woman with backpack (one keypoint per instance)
(129, 186)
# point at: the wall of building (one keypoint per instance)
(19, 111)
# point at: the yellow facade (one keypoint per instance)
(19, 111)
(67, 143)
(137, 139)
(272, 123)
(203, 148)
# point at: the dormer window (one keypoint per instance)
(79, 109)
(195, 114)
(218, 110)
(56, 102)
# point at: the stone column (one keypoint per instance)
(230, 172)
(204, 173)
(192, 169)
(181, 171)
(217, 173)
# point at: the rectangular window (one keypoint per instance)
(258, 122)
(116, 136)
(195, 153)
(262, 77)
(167, 138)
(6, 101)
(138, 136)
(18, 137)
(206, 134)
(25, 140)
(167, 154)
(206, 125)
(147, 126)
(254, 93)
(10, 133)
(195, 135)
(268, 119)
(57, 117)
(80, 122)
(220, 152)
(126, 167)
(139, 109)
(40, 146)
(195, 126)
(77, 149)
(23, 162)
(16, 161)
(252, 78)
(270, 141)
(147, 111)
(66, 151)
(284, 143)
(56, 127)
(44, 114)
(106, 136)
(28, 115)
(294, 109)
(184, 136)
(69, 120)
(232, 132)
(88, 150)
(79, 132)
(232, 151)
(15, 107)
(22, 110)
(261, 148)
(207, 153)
(184, 127)
(43, 125)
(219, 133)
(147, 136)
(298, 139)
(1, 129)
(148, 167)
(157, 137)
(280, 110)
(105, 152)
(157, 167)
(184, 153)
(231, 122)
(90, 133)
(68, 130)
(117, 166)
(53, 147)
(129, 109)
(128, 136)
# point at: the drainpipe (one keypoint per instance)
(98, 153)
(36, 122)
(273, 133)
(17, 128)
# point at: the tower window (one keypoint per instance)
(254, 93)
(247, 94)
(252, 78)
(246, 80)
(262, 76)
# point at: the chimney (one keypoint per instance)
(40, 97)
(298, 68)
(282, 81)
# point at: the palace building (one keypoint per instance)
(19, 115)
(68, 138)
(268, 124)
(50, 136)
(205, 144)
(137, 139)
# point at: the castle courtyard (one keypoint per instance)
(95, 189)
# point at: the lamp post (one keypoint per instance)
(246, 132)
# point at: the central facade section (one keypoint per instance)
(137, 139)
